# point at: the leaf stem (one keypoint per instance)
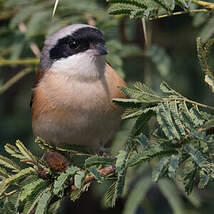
(189, 101)
(28, 61)
(181, 13)
(204, 4)
(55, 6)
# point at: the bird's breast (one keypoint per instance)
(65, 110)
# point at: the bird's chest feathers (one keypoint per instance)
(60, 94)
(73, 111)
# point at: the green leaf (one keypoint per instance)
(13, 151)
(75, 194)
(60, 181)
(127, 103)
(15, 177)
(120, 165)
(197, 156)
(43, 202)
(24, 151)
(109, 195)
(93, 170)
(137, 3)
(145, 155)
(119, 185)
(33, 200)
(148, 9)
(79, 178)
(131, 113)
(97, 160)
(199, 135)
(142, 140)
(165, 121)
(188, 175)
(204, 179)
(137, 195)
(196, 117)
(176, 118)
(121, 161)
(173, 166)
(142, 93)
(14, 201)
(10, 204)
(166, 89)
(6, 162)
(3, 173)
(31, 187)
(142, 121)
(186, 116)
(121, 9)
(143, 88)
(158, 171)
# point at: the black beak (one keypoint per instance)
(101, 49)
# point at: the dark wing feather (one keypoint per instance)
(38, 77)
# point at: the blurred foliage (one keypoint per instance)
(169, 54)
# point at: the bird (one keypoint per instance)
(73, 90)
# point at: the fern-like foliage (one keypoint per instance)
(155, 8)
(182, 144)
(147, 9)
(34, 185)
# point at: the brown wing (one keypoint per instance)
(114, 78)
(38, 77)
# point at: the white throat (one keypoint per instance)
(82, 66)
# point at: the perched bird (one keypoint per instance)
(74, 88)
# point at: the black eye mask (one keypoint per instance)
(78, 42)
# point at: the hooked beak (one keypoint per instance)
(101, 49)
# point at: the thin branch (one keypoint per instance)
(14, 79)
(145, 32)
(26, 61)
(200, 104)
(181, 13)
(55, 6)
(189, 101)
(204, 4)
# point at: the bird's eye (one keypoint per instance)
(73, 44)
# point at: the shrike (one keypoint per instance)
(74, 88)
